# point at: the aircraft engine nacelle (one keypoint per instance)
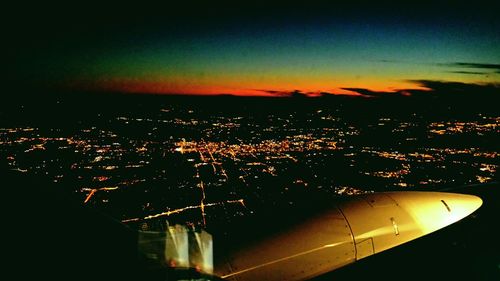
(359, 227)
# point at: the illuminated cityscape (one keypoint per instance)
(194, 165)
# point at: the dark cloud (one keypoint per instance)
(457, 91)
(277, 92)
(292, 94)
(476, 65)
(457, 87)
(434, 89)
(272, 92)
(369, 93)
(437, 89)
(469, 72)
(469, 65)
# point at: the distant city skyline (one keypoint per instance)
(254, 50)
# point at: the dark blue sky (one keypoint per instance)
(256, 49)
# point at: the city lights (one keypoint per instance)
(194, 168)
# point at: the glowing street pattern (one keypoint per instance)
(94, 190)
(180, 210)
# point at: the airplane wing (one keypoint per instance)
(356, 228)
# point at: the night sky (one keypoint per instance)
(262, 50)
